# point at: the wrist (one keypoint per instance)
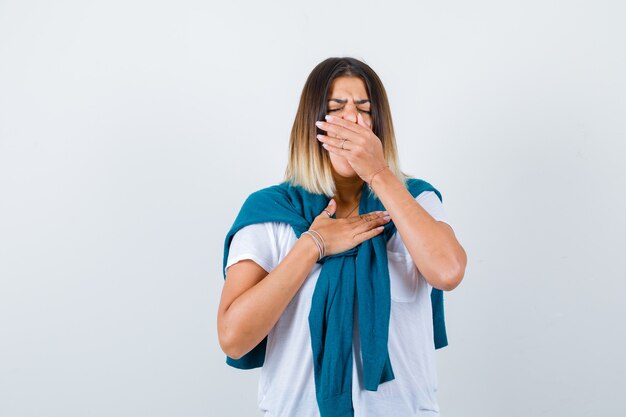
(380, 176)
(310, 249)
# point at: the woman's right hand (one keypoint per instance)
(343, 234)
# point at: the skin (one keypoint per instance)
(253, 300)
(432, 244)
(347, 181)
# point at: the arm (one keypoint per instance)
(252, 300)
(432, 244)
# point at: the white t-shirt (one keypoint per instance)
(286, 383)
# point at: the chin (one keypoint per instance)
(342, 167)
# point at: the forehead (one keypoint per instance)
(348, 87)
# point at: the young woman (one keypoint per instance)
(334, 278)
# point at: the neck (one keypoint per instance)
(347, 189)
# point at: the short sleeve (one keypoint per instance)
(431, 203)
(433, 206)
(256, 242)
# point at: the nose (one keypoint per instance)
(350, 112)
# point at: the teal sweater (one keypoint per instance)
(360, 275)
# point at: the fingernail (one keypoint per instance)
(387, 217)
(332, 201)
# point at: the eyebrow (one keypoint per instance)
(338, 100)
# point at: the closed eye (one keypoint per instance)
(362, 111)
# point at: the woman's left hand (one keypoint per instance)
(362, 148)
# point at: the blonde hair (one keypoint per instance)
(309, 164)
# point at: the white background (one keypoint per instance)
(132, 131)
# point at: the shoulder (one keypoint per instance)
(272, 193)
(417, 186)
(281, 197)
(260, 204)
(259, 242)
(271, 229)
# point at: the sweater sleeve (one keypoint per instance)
(256, 242)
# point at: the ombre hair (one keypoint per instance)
(309, 164)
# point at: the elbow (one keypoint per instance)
(232, 353)
(445, 280)
(228, 340)
(230, 347)
(235, 339)
(448, 272)
(450, 280)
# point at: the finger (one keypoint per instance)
(353, 219)
(336, 150)
(336, 142)
(361, 237)
(361, 121)
(373, 223)
(331, 207)
(345, 124)
(373, 215)
(362, 218)
(338, 131)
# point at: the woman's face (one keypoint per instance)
(347, 97)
